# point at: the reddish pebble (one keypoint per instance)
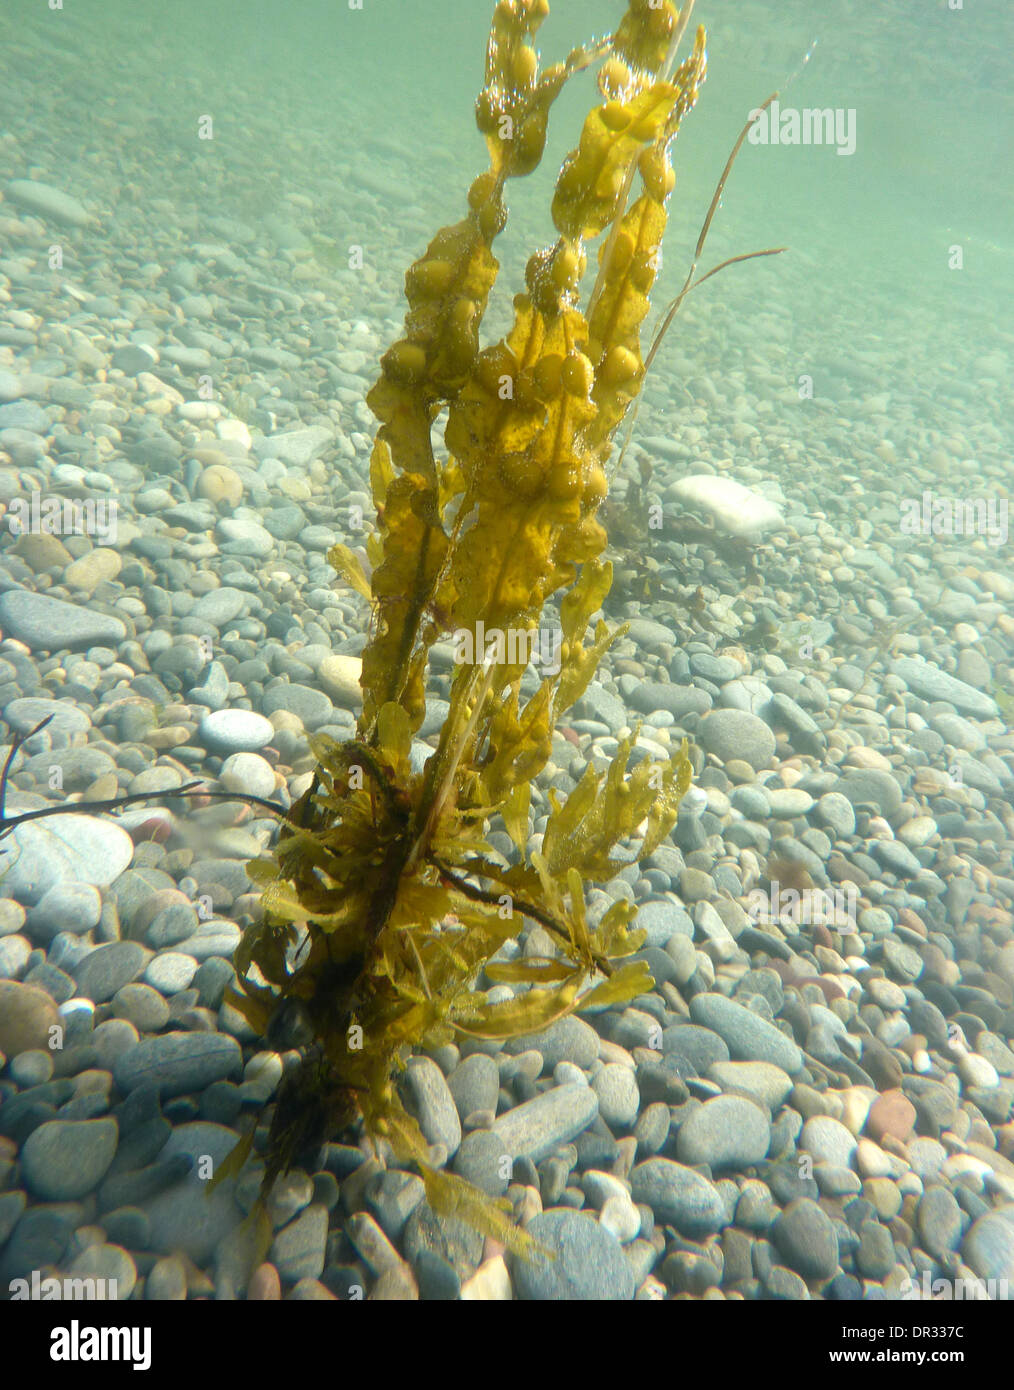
(891, 1114)
(265, 1285)
(910, 919)
(155, 828)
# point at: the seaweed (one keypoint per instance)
(384, 902)
(385, 906)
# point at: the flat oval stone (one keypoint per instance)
(759, 1081)
(989, 1246)
(26, 1016)
(66, 1159)
(749, 1037)
(178, 1063)
(679, 1196)
(50, 624)
(47, 201)
(589, 1262)
(727, 1132)
(538, 1127)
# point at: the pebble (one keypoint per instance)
(939, 1220)
(735, 509)
(750, 1038)
(298, 1249)
(588, 1261)
(806, 1237)
(33, 1068)
(729, 733)
(474, 1084)
(491, 1283)
(432, 1102)
(760, 1082)
(235, 731)
(48, 202)
(340, 675)
(932, 683)
(170, 972)
(891, 1114)
(167, 1281)
(537, 1127)
(989, 1245)
(727, 1132)
(616, 1088)
(69, 906)
(50, 624)
(142, 1006)
(828, 1141)
(680, 1196)
(248, 773)
(27, 1016)
(69, 848)
(186, 1218)
(177, 1063)
(570, 1040)
(65, 1159)
(106, 969)
(789, 802)
(869, 787)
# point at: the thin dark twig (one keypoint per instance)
(16, 743)
(9, 823)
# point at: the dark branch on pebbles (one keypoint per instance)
(9, 823)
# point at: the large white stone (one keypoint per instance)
(736, 509)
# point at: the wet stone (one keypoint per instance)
(939, 1220)
(748, 1036)
(456, 1244)
(107, 1262)
(589, 1261)
(142, 1006)
(534, 1129)
(616, 1088)
(806, 1238)
(679, 1196)
(298, 1248)
(698, 1047)
(570, 1040)
(178, 1063)
(185, 1216)
(989, 1246)
(727, 1132)
(432, 1102)
(40, 1238)
(475, 1084)
(66, 1159)
(106, 969)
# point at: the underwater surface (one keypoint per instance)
(300, 1016)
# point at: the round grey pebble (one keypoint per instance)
(616, 1087)
(679, 1196)
(734, 733)
(178, 1063)
(66, 1159)
(107, 969)
(807, 1240)
(235, 731)
(727, 1132)
(170, 972)
(589, 1261)
(142, 1006)
(69, 906)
